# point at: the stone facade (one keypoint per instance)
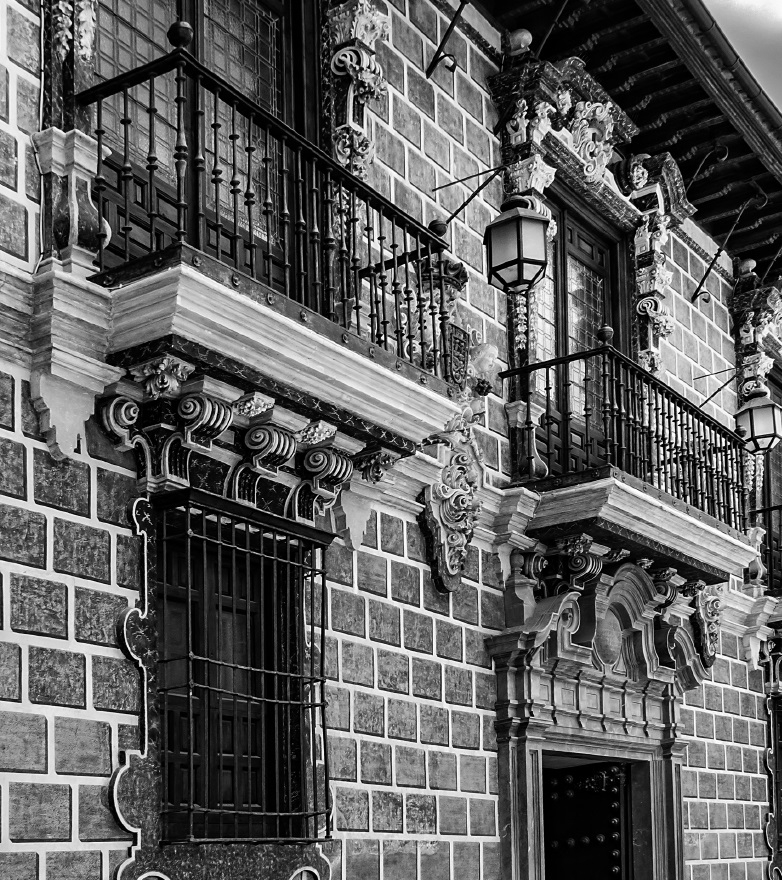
(428, 691)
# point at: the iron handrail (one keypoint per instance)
(652, 380)
(181, 57)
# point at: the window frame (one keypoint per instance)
(568, 208)
(310, 758)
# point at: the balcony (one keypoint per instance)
(616, 452)
(196, 179)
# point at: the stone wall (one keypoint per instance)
(68, 697)
(431, 132)
(20, 88)
(702, 340)
(725, 784)
(411, 699)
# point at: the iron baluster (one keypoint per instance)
(152, 165)
(418, 258)
(355, 256)
(199, 165)
(550, 421)
(434, 352)
(217, 172)
(236, 189)
(285, 217)
(315, 245)
(409, 309)
(249, 197)
(445, 364)
(100, 186)
(126, 173)
(329, 246)
(382, 290)
(268, 205)
(181, 153)
(396, 290)
(301, 234)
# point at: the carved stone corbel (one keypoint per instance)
(205, 418)
(451, 504)
(373, 463)
(354, 28)
(270, 447)
(323, 471)
(707, 602)
(571, 565)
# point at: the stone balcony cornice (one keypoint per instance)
(622, 515)
(261, 334)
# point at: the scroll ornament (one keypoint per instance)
(451, 504)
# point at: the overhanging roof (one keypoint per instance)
(667, 64)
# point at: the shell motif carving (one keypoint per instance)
(593, 126)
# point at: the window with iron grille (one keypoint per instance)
(240, 602)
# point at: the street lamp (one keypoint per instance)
(759, 423)
(516, 245)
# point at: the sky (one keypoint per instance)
(754, 28)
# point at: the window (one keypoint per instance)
(240, 603)
(245, 44)
(579, 293)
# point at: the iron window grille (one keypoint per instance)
(241, 600)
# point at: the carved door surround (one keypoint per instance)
(596, 657)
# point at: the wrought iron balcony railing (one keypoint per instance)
(770, 519)
(185, 158)
(599, 408)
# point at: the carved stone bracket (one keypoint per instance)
(172, 422)
(655, 184)
(707, 601)
(354, 27)
(571, 566)
(451, 504)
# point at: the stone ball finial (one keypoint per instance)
(605, 334)
(519, 41)
(747, 267)
(180, 34)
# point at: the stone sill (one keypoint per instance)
(191, 296)
(622, 516)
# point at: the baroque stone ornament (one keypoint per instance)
(654, 320)
(707, 601)
(354, 28)
(162, 376)
(771, 662)
(374, 463)
(135, 789)
(598, 653)
(451, 504)
(757, 312)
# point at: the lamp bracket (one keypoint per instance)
(441, 54)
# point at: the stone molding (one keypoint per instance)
(596, 666)
(233, 327)
(135, 789)
(172, 423)
(357, 79)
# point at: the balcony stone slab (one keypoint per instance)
(620, 515)
(284, 341)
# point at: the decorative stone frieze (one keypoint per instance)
(539, 104)
(354, 28)
(171, 423)
(451, 504)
